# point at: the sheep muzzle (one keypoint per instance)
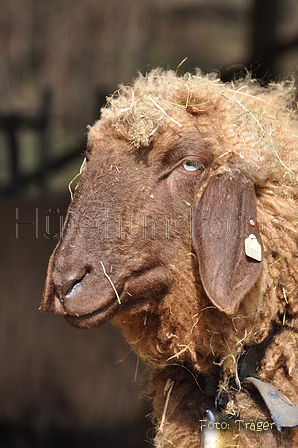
(65, 288)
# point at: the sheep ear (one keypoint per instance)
(224, 218)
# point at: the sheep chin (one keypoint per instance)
(95, 319)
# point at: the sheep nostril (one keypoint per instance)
(74, 285)
(65, 289)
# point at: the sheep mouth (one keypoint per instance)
(94, 319)
(84, 305)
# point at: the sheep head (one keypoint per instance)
(102, 254)
(136, 212)
(169, 194)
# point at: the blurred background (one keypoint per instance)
(59, 59)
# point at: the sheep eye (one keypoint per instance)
(190, 165)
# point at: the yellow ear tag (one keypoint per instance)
(253, 248)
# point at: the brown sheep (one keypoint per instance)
(180, 172)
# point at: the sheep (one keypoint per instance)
(50, 375)
(184, 231)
